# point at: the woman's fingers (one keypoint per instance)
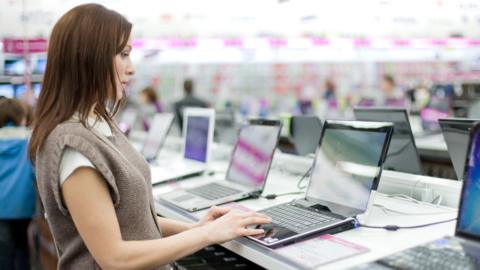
(216, 211)
(255, 220)
(251, 231)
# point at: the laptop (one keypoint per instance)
(305, 132)
(127, 120)
(247, 172)
(198, 125)
(439, 106)
(461, 251)
(156, 136)
(456, 132)
(344, 178)
(402, 154)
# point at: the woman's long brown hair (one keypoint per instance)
(80, 73)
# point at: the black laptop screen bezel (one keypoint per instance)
(258, 122)
(458, 232)
(385, 127)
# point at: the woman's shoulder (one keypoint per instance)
(68, 130)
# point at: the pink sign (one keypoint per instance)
(20, 46)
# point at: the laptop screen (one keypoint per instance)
(196, 140)
(348, 166)
(469, 215)
(156, 135)
(402, 154)
(457, 134)
(127, 120)
(14, 66)
(7, 90)
(253, 154)
(437, 107)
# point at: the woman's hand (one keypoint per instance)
(213, 213)
(234, 224)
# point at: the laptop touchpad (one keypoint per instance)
(274, 233)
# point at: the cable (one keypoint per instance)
(396, 227)
(299, 186)
(273, 196)
(399, 151)
(386, 210)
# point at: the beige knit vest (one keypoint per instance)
(126, 174)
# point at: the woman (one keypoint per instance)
(149, 105)
(94, 186)
(17, 185)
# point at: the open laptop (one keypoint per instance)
(456, 132)
(305, 132)
(439, 106)
(246, 174)
(461, 251)
(198, 125)
(402, 154)
(344, 178)
(157, 134)
(127, 120)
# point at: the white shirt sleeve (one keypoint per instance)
(72, 160)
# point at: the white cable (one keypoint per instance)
(386, 210)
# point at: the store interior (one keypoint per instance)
(304, 64)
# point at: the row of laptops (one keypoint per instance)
(345, 175)
(403, 154)
(323, 208)
(461, 251)
(198, 126)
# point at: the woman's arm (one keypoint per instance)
(171, 226)
(90, 205)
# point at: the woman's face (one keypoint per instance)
(124, 69)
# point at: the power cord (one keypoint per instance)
(435, 202)
(388, 210)
(273, 196)
(396, 227)
(304, 176)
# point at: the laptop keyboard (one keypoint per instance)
(423, 257)
(213, 191)
(296, 218)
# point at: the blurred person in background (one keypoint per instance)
(330, 90)
(149, 105)
(391, 95)
(188, 100)
(17, 184)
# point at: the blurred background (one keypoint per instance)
(270, 59)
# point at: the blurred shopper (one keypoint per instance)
(330, 90)
(189, 100)
(391, 95)
(149, 105)
(95, 188)
(17, 185)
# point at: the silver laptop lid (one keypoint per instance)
(402, 154)
(157, 134)
(456, 132)
(348, 165)
(253, 153)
